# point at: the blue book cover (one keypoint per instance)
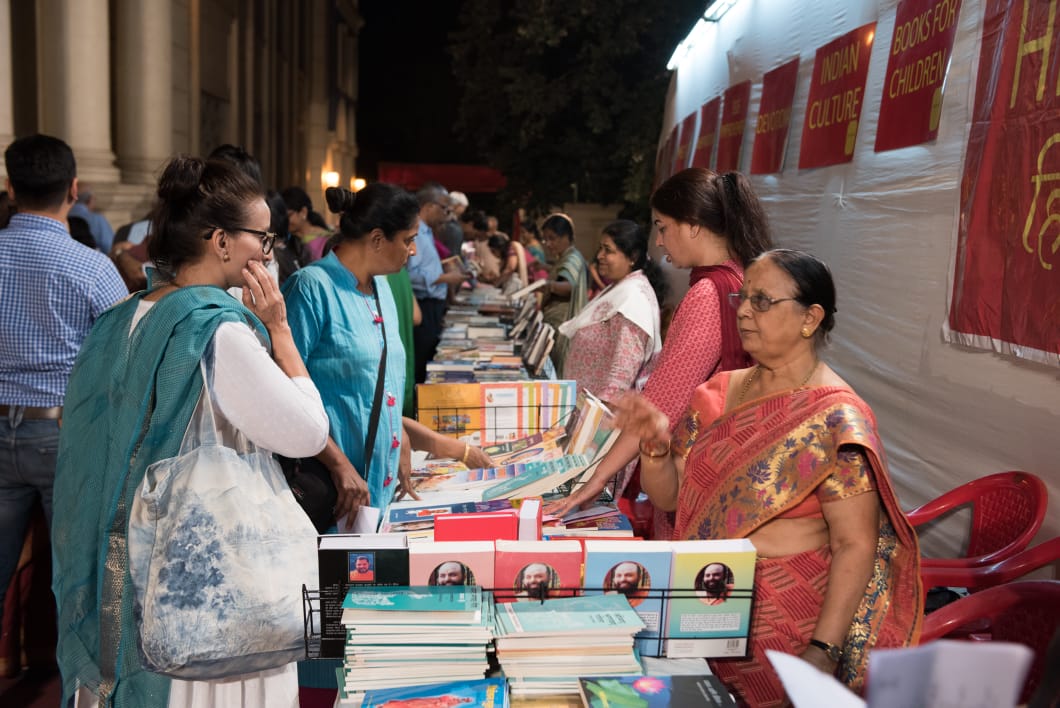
(640, 570)
(368, 601)
(484, 693)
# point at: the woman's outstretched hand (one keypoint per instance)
(637, 416)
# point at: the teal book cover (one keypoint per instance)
(440, 598)
(485, 693)
(654, 692)
(595, 614)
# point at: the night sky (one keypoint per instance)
(407, 102)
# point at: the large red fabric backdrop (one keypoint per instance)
(774, 118)
(837, 93)
(733, 121)
(1007, 280)
(916, 71)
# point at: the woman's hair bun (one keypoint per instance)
(181, 178)
(339, 199)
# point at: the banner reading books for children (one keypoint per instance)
(916, 71)
(733, 120)
(1006, 292)
(837, 92)
(708, 133)
(684, 146)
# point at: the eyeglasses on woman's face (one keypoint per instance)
(267, 238)
(759, 301)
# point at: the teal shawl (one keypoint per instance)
(128, 403)
(570, 267)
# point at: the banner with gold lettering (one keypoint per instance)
(684, 145)
(774, 117)
(708, 133)
(916, 71)
(733, 120)
(833, 110)
(1006, 292)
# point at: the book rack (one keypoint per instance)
(311, 608)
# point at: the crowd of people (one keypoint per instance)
(313, 337)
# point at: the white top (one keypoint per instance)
(275, 411)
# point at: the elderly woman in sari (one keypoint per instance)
(614, 340)
(784, 453)
(566, 291)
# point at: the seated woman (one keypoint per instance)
(131, 396)
(566, 292)
(512, 257)
(614, 340)
(787, 455)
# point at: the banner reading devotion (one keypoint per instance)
(1006, 292)
(837, 90)
(774, 117)
(916, 71)
(733, 120)
(708, 133)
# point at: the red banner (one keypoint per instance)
(833, 109)
(671, 151)
(916, 71)
(1007, 277)
(708, 133)
(733, 120)
(774, 117)
(688, 134)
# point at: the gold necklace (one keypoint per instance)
(753, 376)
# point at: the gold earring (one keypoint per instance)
(806, 332)
(225, 257)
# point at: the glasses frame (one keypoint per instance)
(268, 238)
(759, 301)
(445, 207)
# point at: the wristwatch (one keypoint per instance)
(833, 651)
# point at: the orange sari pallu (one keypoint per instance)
(779, 456)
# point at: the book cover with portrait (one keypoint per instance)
(640, 570)
(526, 570)
(709, 611)
(451, 563)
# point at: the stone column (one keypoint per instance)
(74, 82)
(7, 99)
(143, 88)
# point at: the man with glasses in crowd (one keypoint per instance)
(430, 283)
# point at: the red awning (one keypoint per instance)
(473, 179)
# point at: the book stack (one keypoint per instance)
(600, 521)
(406, 636)
(543, 647)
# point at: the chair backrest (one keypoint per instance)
(1026, 612)
(1007, 511)
(985, 576)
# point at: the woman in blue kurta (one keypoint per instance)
(340, 309)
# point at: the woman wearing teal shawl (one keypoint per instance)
(567, 290)
(130, 398)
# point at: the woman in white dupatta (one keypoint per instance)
(614, 339)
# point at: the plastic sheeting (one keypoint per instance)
(886, 223)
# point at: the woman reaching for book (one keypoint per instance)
(715, 225)
(785, 454)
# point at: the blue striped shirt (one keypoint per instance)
(51, 291)
(425, 267)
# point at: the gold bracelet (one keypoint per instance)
(467, 449)
(652, 453)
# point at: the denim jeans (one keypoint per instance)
(27, 469)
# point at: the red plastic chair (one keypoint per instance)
(1026, 612)
(985, 576)
(1007, 511)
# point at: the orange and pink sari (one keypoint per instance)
(780, 456)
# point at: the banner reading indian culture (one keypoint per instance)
(1006, 292)
(684, 145)
(837, 90)
(916, 71)
(774, 117)
(708, 133)
(733, 120)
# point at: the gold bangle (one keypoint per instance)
(467, 449)
(654, 453)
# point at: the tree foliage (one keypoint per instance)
(565, 95)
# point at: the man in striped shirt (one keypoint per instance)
(52, 289)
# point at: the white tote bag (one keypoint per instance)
(218, 552)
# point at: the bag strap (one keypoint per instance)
(377, 403)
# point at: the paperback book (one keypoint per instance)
(526, 570)
(654, 692)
